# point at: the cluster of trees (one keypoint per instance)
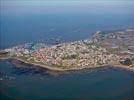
(71, 56)
(126, 61)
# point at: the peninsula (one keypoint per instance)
(105, 48)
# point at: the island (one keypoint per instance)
(104, 48)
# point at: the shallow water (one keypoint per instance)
(33, 83)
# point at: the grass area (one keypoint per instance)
(113, 50)
(23, 58)
(59, 66)
(4, 54)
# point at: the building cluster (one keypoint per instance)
(75, 54)
(101, 49)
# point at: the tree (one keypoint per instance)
(127, 61)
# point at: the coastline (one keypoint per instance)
(99, 51)
(125, 67)
(74, 69)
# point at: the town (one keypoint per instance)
(101, 50)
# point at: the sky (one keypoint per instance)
(14, 7)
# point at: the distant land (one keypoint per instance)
(104, 48)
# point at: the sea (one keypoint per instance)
(45, 21)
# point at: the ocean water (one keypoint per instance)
(22, 22)
(33, 83)
(19, 30)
